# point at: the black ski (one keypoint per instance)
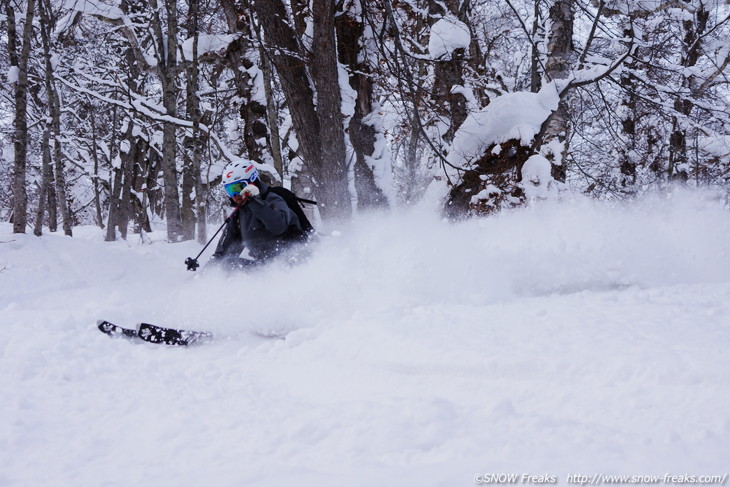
(170, 336)
(155, 334)
(115, 331)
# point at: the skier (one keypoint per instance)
(265, 224)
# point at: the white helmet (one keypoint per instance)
(242, 172)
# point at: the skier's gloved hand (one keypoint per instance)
(250, 191)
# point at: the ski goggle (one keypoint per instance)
(234, 189)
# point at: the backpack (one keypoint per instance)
(294, 204)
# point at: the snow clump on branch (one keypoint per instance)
(447, 35)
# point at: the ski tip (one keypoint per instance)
(113, 330)
(104, 326)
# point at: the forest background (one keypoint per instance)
(124, 113)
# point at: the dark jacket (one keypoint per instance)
(265, 226)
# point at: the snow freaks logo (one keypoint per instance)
(514, 478)
(600, 479)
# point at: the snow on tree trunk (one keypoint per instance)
(363, 136)
(95, 174)
(54, 114)
(491, 147)
(47, 174)
(692, 48)
(115, 186)
(129, 161)
(20, 197)
(627, 114)
(200, 210)
(449, 39)
(167, 66)
(535, 82)
(558, 67)
(271, 114)
(252, 109)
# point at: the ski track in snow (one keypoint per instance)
(561, 339)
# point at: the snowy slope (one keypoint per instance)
(561, 339)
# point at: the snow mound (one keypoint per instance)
(406, 347)
(536, 177)
(511, 116)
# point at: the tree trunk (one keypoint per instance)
(54, 113)
(334, 196)
(300, 12)
(144, 186)
(167, 69)
(412, 162)
(252, 112)
(692, 44)
(535, 83)
(558, 66)
(197, 156)
(272, 115)
(20, 197)
(362, 136)
(187, 203)
(52, 202)
(327, 177)
(448, 74)
(114, 204)
(95, 177)
(282, 48)
(627, 115)
(115, 188)
(193, 207)
(125, 198)
(61, 197)
(45, 181)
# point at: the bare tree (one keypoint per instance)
(194, 7)
(167, 66)
(281, 46)
(19, 60)
(350, 29)
(325, 165)
(54, 115)
(332, 174)
(241, 56)
(448, 70)
(46, 176)
(692, 44)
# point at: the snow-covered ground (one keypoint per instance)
(572, 338)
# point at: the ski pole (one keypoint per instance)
(193, 263)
